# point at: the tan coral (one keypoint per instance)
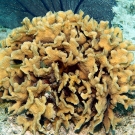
(4, 64)
(119, 56)
(27, 64)
(64, 68)
(54, 55)
(50, 113)
(73, 99)
(25, 48)
(37, 110)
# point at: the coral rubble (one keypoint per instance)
(65, 68)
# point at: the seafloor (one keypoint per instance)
(125, 19)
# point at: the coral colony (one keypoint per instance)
(65, 68)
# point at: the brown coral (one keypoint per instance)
(64, 68)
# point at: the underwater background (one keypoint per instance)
(119, 13)
(13, 12)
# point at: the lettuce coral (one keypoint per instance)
(64, 68)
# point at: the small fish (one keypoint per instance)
(15, 65)
(43, 65)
